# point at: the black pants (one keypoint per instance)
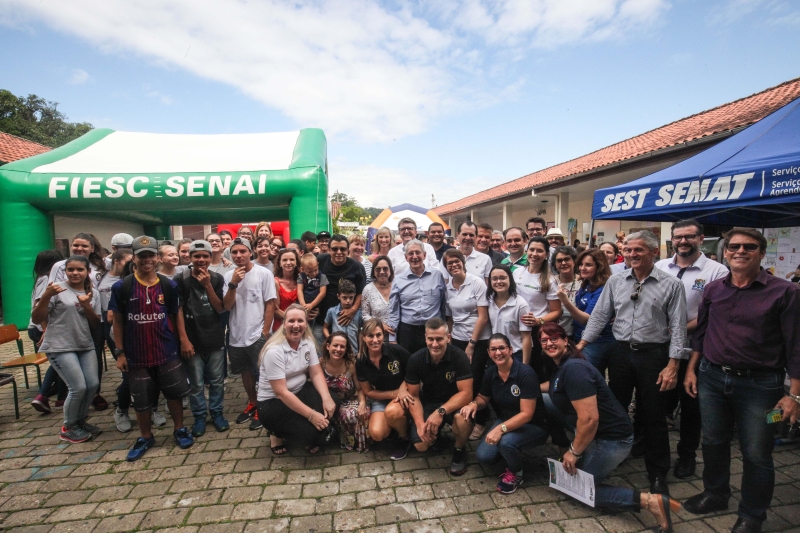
(411, 337)
(98, 336)
(545, 368)
(629, 369)
(480, 358)
(690, 416)
(284, 423)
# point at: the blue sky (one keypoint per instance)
(417, 98)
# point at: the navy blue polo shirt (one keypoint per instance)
(522, 384)
(576, 379)
(391, 371)
(439, 381)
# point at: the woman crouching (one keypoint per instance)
(290, 405)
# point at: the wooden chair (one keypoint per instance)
(10, 333)
(5, 379)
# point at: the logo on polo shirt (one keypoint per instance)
(699, 285)
(450, 376)
(394, 367)
(98, 276)
(515, 390)
(307, 355)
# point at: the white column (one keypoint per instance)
(505, 216)
(563, 211)
(177, 233)
(206, 230)
(472, 215)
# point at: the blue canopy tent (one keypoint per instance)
(750, 179)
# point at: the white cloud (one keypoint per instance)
(349, 66)
(78, 77)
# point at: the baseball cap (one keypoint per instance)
(323, 235)
(244, 242)
(200, 246)
(144, 244)
(121, 240)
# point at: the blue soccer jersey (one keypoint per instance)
(149, 338)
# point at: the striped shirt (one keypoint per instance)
(148, 336)
(657, 315)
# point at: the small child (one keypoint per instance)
(314, 284)
(347, 297)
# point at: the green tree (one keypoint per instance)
(351, 211)
(36, 119)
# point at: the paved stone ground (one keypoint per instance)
(230, 482)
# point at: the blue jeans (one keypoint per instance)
(201, 368)
(79, 372)
(600, 458)
(511, 445)
(598, 353)
(725, 400)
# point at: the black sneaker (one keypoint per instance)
(509, 482)
(248, 413)
(459, 463)
(401, 451)
(255, 423)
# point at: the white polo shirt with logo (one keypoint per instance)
(477, 263)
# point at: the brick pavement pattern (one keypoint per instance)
(231, 483)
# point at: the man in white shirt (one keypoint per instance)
(477, 263)
(695, 270)
(250, 295)
(408, 231)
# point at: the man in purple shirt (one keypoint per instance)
(745, 341)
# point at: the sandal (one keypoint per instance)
(477, 432)
(278, 449)
(312, 449)
(664, 505)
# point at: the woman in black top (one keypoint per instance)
(513, 389)
(582, 400)
(381, 371)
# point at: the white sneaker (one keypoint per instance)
(158, 419)
(122, 420)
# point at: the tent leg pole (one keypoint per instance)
(591, 243)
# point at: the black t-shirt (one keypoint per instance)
(351, 270)
(439, 382)
(392, 371)
(576, 379)
(203, 326)
(522, 384)
(440, 252)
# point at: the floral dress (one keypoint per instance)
(352, 430)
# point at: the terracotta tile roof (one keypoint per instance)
(13, 148)
(736, 114)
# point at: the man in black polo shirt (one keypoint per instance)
(439, 379)
(337, 266)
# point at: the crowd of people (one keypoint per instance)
(511, 338)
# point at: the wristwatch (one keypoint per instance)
(473, 342)
(232, 285)
(118, 352)
(541, 321)
(442, 411)
(503, 428)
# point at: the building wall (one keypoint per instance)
(103, 229)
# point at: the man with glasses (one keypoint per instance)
(408, 230)
(323, 241)
(649, 311)
(695, 270)
(337, 266)
(436, 239)
(250, 295)
(535, 227)
(515, 245)
(745, 342)
(476, 263)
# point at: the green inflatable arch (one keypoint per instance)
(157, 180)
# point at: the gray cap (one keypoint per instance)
(144, 244)
(200, 246)
(244, 242)
(121, 240)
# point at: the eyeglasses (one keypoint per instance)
(453, 263)
(381, 269)
(408, 230)
(549, 340)
(748, 247)
(498, 349)
(212, 241)
(679, 238)
(498, 278)
(338, 249)
(563, 260)
(636, 292)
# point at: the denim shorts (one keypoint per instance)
(379, 406)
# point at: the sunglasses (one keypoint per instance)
(564, 260)
(337, 249)
(748, 247)
(636, 292)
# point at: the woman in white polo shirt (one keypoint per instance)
(290, 405)
(506, 310)
(468, 318)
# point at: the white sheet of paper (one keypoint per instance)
(580, 486)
